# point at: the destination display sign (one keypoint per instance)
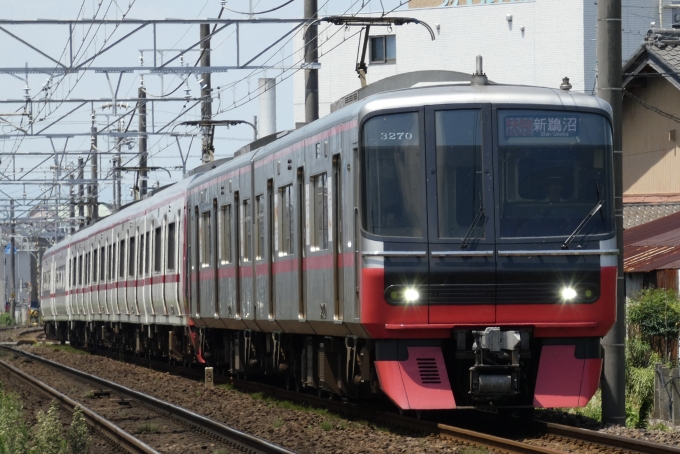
(541, 126)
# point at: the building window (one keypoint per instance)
(171, 246)
(319, 212)
(285, 216)
(384, 49)
(225, 234)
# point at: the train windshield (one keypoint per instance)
(554, 167)
(393, 176)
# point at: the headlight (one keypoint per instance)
(411, 295)
(568, 294)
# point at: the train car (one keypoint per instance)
(449, 246)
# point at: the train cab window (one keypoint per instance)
(259, 227)
(318, 212)
(225, 234)
(458, 140)
(392, 187)
(131, 256)
(147, 246)
(553, 168)
(204, 239)
(172, 248)
(158, 248)
(285, 218)
(121, 259)
(102, 263)
(248, 234)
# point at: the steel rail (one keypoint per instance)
(110, 430)
(389, 418)
(217, 429)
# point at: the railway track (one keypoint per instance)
(563, 438)
(114, 434)
(203, 429)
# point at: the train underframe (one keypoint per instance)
(497, 367)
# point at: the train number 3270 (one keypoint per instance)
(396, 135)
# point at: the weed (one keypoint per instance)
(67, 349)
(277, 423)
(48, 439)
(148, 428)
(327, 426)
(228, 387)
(660, 426)
(473, 450)
(197, 393)
(89, 395)
(78, 436)
(5, 319)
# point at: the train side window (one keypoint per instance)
(204, 239)
(109, 269)
(158, 244)
(147, 246)
(225, 234)
(248, 233)
(140, 266)
(80, 270)
(171, 246)
(285, 217)
(87, 268)
(319, 212)
(95, 265)
(259, 227)
(112, 270)
(131, 256)
(102, 263)
(121, 259)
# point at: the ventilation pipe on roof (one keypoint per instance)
(479, 78)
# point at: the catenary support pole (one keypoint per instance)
(72, 205)
(208, 152)
(12, 263)
(118, 176)
(81, 194)
(311, 56)
(609, 89)
(141, 93)
(94, 171)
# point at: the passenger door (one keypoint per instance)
(462, 267)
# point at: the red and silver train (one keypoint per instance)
(449, 246)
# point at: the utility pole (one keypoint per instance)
(12, 262)
(311, 56)
(94, 187)
(72, 205)
(609, 88)
(207, 151)
(81, 193)
(141, 110)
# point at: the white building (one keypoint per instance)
(532, 42)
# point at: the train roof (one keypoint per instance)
(169, 193)
(445, 93)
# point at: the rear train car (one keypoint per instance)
(450, 246)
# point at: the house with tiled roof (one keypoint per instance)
(651, 129)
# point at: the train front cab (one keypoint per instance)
(488, 253)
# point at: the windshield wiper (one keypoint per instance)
(583, 223)
(475, 221)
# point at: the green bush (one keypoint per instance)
(655, 314)
(48, 438)
(78, 437)
(5, 319)
(640, 363)
(14, 435)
